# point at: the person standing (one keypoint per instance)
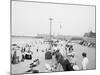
(85, 61)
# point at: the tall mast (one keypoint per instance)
(50, 32)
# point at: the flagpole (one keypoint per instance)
(50, 32)
(60, 28)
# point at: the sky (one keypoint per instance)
(30, 18)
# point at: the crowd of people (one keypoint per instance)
(61, 51)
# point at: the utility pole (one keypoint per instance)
(50, 32)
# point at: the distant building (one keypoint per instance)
(90, 34)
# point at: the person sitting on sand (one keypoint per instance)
(71, 52)
(74, 63)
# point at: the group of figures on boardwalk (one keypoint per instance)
(61, 51)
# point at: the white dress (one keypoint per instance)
(85, 63)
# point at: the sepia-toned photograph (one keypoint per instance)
(52, 37)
